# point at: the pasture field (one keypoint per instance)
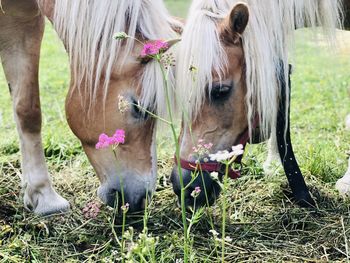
(262, 222)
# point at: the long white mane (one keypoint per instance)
(87, 28)
(266, 40)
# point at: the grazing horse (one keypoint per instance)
(101, 70)
(239, 55)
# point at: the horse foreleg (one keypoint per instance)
(20, 41)
(273, 161)
(291, 168)
(343, 184)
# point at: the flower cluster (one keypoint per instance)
(123, 104)
(125, 208)
(91, 210)
(104, 141)
(145, 245)
(120, 35)
(168, 60)
(154, 48)
(195, 193)
(222, 156)
(214, 176)
(202, 149)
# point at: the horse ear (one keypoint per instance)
(235, 24)
(172, 42)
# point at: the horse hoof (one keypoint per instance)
(343, 186)
(45, 202)
(305, 200)
(271, 168)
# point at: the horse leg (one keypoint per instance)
(343, 184)
(20, 41)
(295, 178)
(273, 160)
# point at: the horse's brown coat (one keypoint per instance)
(22, 27)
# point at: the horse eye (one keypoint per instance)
(220, 92)
(137, 112)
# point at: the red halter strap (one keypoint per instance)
(208, 167)
(216, 166)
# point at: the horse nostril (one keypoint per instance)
(136, 199)
(210, 189)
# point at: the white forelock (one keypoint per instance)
(87, 28)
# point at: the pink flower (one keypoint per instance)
(195, 193)
(118, 137)
(202, 149)
(104, 141)
(91, 210)
(208, 146)
(154, 48)
(125, 207)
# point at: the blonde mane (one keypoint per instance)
(87, 28)
(266, 40)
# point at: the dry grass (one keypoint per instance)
(263, 223)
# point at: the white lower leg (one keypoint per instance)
(39, 194)
(343, 184)
(273, 161)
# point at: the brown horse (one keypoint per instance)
(239, 53)
(101, 70)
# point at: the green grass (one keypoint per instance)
(263, 223)
(178, 8)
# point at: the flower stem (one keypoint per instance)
(177, 155)
(151, 113)
(211, 222)
(223, 233)
(124, 213)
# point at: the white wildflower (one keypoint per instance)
(221, 156)
(214, 176)
(123, 104)
(225, 155)
(213, 232)
(228, 239)
(120, 35)
(238, 149)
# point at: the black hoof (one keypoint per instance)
(304, 199)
